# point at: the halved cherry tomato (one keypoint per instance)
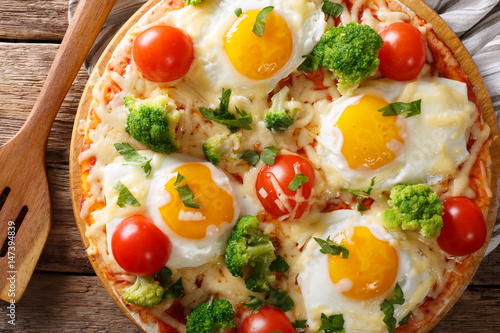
(272, 186)
(464, 229)
(403, 54)
(139, 246)
(163, 53)
(268, 319)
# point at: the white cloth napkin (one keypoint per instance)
(477, 23)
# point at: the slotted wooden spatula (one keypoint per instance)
(25, 215)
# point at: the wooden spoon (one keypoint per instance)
(25, 215)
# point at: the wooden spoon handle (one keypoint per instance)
(85, 25)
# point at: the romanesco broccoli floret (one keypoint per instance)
(146, 291)
(414, 207)
(152, 122)
(211, 317)
(248, 246)
(282, 112)
(350, 52)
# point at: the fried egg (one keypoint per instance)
(198, 235)
(358, 143)
(229, 55)
(357, 285)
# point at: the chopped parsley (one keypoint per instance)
(387, 307)
(297, 182)
(125, 197)
(329, 247)
(408, 109)
(130, 155)
(332, 9)
(363, 193)
(269, 155)
(222, 115)
(185, 192)
(258, 27)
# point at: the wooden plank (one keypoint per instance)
(37, 19)
(66, 303)
(23, 68)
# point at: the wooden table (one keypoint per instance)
(64, 294)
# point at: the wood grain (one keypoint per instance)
(23, 68)
(37, 19)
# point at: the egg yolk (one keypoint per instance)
(218, 204)
(370, 139)
(372, 265)
(257, 57)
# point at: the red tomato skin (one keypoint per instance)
(403, 53)
(139, 246)
(284, 170)
(163, 53)
(268, 319)
(464, 229)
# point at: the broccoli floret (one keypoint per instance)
(249, 246)
(146, 291)
(193, 2)
(212, 148)
(280, 115)
(211, 317)
(415, 207)
(350, 52)
(152, 122)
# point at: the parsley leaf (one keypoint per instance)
(222, 115)
(124, 196)
(387, 307)
(279, 265)
(130, 155)
(332, 324)
(297, 182)
(165, 275)
(299, 324)
(238, 12)
(268, 155)
(405, 319)
(332, 9)
(255, 304)
(187, 196)
(258, 27)
(329, 247)
(174, 291)
(409, 109)
(280, 299)
(363, 193)
(310, 64)
(250, 156)
(278, 331)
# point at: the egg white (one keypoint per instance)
(435, 140)
(207, 24)
(321, 295)
(152, 195)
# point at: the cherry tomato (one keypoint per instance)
(268, 319)
(140, 247)
(403, 53)
(282, 173)
(464, 229)
(163, 53)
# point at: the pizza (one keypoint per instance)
(283, 166)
